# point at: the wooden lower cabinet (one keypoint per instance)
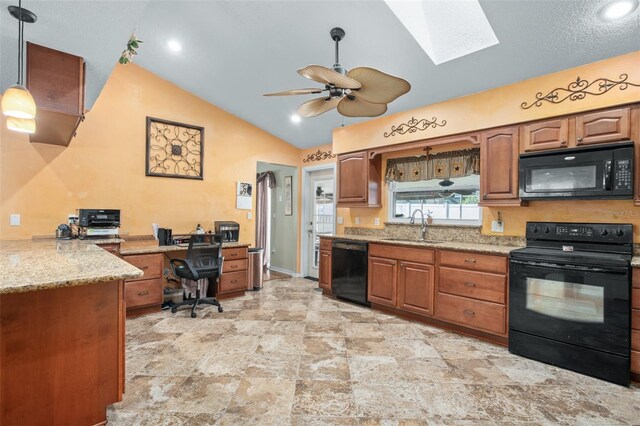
(324, 270)
(476, 314)
(415, 287)
(233, 281)
(383, 281)
(144, 294)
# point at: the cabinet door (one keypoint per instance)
(499, 166)
(352, 178)
(549, 134)
(416, 289)
(603, 126)
(383, 285)
(324, 278)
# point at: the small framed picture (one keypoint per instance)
(288, 196)
(244, 189)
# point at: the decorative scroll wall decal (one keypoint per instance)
(414, 125)
(174, 149)
(318, 156)
(579, 89)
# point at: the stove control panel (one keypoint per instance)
(581, 232)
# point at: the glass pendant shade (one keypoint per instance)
(17, 102)
(22, 125)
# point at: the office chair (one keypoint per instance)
(200, 262)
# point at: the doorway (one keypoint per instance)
(318, 214)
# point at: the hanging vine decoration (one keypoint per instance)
(174, 149)
(414, 125)
(580, 89)
(319, 156)
(132, 50)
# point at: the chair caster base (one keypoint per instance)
(220, 309)
(193, 315)
(174, 310)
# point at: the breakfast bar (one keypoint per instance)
(62, 331)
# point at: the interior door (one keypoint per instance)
(320, 215)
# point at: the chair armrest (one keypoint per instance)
(220, 264)
(186, 263)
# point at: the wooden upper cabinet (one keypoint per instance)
(358, 180)
(541, 135)
(56, 81)
(499, 166)
(603, 126)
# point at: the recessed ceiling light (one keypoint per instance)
(617, 9)
(174, 46)
(295, 118)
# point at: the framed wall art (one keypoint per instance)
(174, 149)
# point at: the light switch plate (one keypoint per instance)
(497, 226)
(14, 220)
(340, 220)
(376, 221)
(357, 220)
(249, 215)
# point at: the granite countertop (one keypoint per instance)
(444, 245)
(29, 265)
(635, 261)
(151, 246)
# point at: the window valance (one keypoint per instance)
(443, 165)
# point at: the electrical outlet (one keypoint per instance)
(376, 221)
(249, 215)
(340, 220)
(497, 226)
(14, 220)
(357, 220)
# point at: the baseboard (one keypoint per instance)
(284, 271)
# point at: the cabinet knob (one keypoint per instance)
(470, 260)
(143, 293)
(580, 139)
(563, 142)
(468, 313)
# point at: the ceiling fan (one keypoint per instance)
(361, 92)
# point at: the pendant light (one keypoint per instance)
(17, 102)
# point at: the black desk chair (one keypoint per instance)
(201, 262)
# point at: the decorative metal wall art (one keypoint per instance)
(319, 156)
(288, 196)
(174, 149)
(580, 89)
(414, 125)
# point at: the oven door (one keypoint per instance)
(577, 304)
(577, 175)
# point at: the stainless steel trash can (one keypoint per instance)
(256, 256)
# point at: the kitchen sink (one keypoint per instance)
(413, 240)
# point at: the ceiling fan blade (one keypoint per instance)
(317, 106)
(378, 87)
(357, 107)
(328, 76)
(296, 92)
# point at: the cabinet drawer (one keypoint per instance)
(402, 253)
(111, 248)
(150, 264)
(635, 298)
(325, 244)
(484, 316)
(635, 361)
(475, 261)
(234, 265)
(635, 319)
(478, 285)
(233, 281)
(143, 293)
(636, 278)
(635, 340)
(234, 253)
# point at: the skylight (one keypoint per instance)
(445, 29)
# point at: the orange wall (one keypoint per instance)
(104, 166)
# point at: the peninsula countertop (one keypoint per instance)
(29, 265)
(442, 245)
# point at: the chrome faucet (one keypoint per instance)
(423, 229)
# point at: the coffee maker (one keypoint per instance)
(230, 231)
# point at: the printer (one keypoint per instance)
(98, 223)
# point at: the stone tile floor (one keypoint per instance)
(286, 355)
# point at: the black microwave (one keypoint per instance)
(588, 173)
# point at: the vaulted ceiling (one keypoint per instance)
(234, 51)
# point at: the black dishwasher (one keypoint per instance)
(349, 271)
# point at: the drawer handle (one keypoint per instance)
(234, 266)
(234, 254)
(144, 268)
(470, 260)
(579, 139)
(469, 284)
(143, 293)
(563, 142)
(468, 313)
(234, 281)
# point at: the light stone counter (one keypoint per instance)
(442, 245)
(635, 261)
(29, 265)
